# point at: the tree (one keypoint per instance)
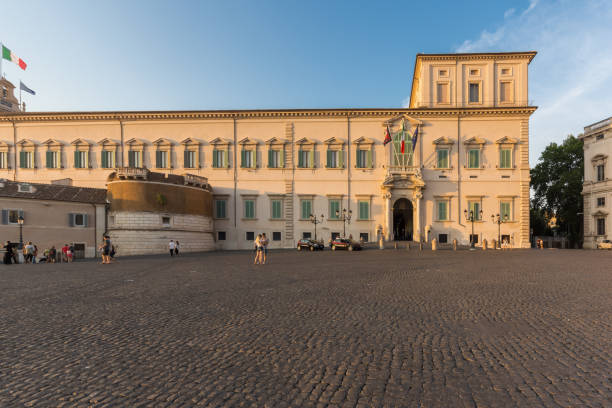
(557, 183)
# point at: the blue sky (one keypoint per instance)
(154, 55)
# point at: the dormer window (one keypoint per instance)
(24, 188)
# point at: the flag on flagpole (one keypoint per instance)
(9, 55)
(403, 135)
(23, 87)
(415, 136)
(387, 136)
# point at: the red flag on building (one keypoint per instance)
(387, 136)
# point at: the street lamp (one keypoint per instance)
(470, 216)
(346, 219)
(20, 222)
(315, 221)
(499, 219)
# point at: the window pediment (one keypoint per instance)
(107, 143)
(364, 141)
(506, 140)
(162, 143)
(248, 142)
(599, 158)
(26, 143)
(332, 141)
(444, 141)
(52, 143)
(391, 122)
(80, 143)
(276, 141)
(305, 142)
(135, 143)
(600, 213)
(475, 140)
(190, 142)
(220, 142)
(4, 146)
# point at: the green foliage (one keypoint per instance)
(556, 182)
(161, 199)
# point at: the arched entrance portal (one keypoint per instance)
(402, 220)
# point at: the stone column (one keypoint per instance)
(417, 200)
(388, 219)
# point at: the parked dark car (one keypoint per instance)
(344, 243)
(309, 244)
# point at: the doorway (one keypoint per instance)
(402, 220)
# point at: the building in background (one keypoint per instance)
(597, 189)
(272, 169)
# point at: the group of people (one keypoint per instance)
(173, 247)
(31, 255)
(261, 249)
(107, 249)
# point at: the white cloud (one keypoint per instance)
(509, 13)
(570, 79)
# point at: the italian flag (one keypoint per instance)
(8, 55)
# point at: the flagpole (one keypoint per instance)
(20, 94)
(1, 58)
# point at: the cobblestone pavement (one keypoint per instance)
(364, 329)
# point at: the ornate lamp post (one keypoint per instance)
(346, 219)
(499, 219)
(315, 221)
(470, 216)
(20, 222)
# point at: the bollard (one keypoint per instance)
(484, 244)
(420, 245)
(395, 245)
(454, 244)
(494, 244)
(408, 245)
(381, 242)
(434, 244)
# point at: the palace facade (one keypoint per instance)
(271, 169)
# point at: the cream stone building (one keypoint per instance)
(271, 169)
(597, 188)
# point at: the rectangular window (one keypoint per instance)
(443, 238)
(505, 158)
(165, 221)
(505, 239)
(601, 201)
(189, 159)
(221, 236)
(442, 159)
(601, 226)
(249, 209)
(247, 159)
(220, 159)
(600, 172)
(474, 92)
(135, 158)
(334, 159)
(161, 159)
(11, 216)
(505, 210)
(3, 160)
(364, 210)
(442, 93)
(505, 91)
(220, 209)
(474, 159)
(81, 159)
(306, 235)
(274, 159)
(474, 238)
(107, 159)
(306, 209)
(277, 209)
(53, 160)
(250, 236)
(335, 235)
(364, 159)
(474, 208)
(364, 237)
(276, 236)
(334, 205)
(26, 160)
(77, 220)
(443, 210)
(305, 159)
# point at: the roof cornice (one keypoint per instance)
(29, 117)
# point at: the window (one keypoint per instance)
(442, 162)
(277, 209)
(474, 238)
(11, 216)
(4, 92)
(474, 72)
(305, 159)
(306, 235)
(24, 188)
(442, 238)
(474, 207)
(53, 160)
(442, 93)
(364, 159)
(189, 159)
(306, 209)
(334, 159)
(601, 226)
(334, 235)
(364, 237)
(3, 160)
(247, 159)
(601, 201)
(275, 159)
(249, 209)
(474, 92)
(474, 159)
(506, 71)
(276, 236)
(221, 236)
(505, 210)
(220, 209)
(26, 160)
(505, 238)
(442, 210)
(77, 220)
(166, 221)
(443, 73)
(334, 205)
(107, 159)
(505, 92)
(250, 236)
(161, 159)
(81, 159)
(220, 159)
(600, 172)
(599, 136)
(364, 210)
(134, 158)
(505, 158)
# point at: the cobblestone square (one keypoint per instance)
(391, 328)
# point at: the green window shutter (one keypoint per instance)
(364, 210)
(158, 159)
(254, 159)
(130, 159)
(311, 159)
(104, 159)
(22, 160)
(186, 163)
(358, 162)
(77, 161)
(215, 160)
(329, 158)
(49, 160)
(340, 159)
(242, 158)
(505, 159)
(442, 211)
(276, 209)
(300, 158)
(369, 158)
(281, 157)
(504, 211)
(333, 206)
(226, 158)
(306, 209)
(270, 152)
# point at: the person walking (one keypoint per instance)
(9, 252)
(258, 250)
(29, 252)
(70, 253)
(171, 247)
(65, 253)
(176, 248)
(34, 258)
(264, 252)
